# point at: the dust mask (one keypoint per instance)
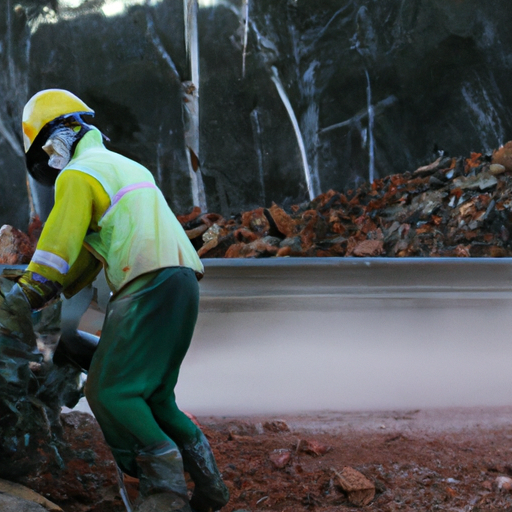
(58, 147)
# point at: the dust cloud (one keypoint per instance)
(381, 356)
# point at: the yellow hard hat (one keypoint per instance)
(44, 107)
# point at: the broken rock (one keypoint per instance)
(293, 245)
(503, 156)
(257, 249)
(503, 483)
(369, 248)
(256, 221)
(10, 503)
(497, 169)
(15, 246)
(428, 169)
(276, 426)
(359, 490)
(312, 447)
(198, 231)
(284, 223)
(482, 181)
(17, 494)
(280, 458)
(184, 219)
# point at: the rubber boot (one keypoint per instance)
(210, 492)
(125, 460)
(162, 485)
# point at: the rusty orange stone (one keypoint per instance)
(183, 219)
(285, 224)
(244, 235)
(284, 251)
(503, 156)
(256, 221)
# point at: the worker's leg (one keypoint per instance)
(133, 379)
(162, 483)
(142, 344)
(210, 492)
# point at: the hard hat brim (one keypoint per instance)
(46, 106)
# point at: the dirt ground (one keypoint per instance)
(426, 460)
(418, 460)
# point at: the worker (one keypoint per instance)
(109, 213)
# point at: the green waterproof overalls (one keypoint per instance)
(130, 385)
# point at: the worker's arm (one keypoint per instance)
(61, 263)
(40, 290)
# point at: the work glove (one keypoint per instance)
(31, 292)
(16, 316)
(37, 289)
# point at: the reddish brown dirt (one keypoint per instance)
(419, 460)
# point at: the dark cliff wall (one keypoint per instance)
(374, 88)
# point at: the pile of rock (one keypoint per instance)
(458, 207)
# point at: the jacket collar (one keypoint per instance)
(92, 139)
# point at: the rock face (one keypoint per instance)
(296, 96)
(33, 389)
(60, 456)
(86, 481)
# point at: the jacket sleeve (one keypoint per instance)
(60, 255)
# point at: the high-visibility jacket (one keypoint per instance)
(111, 205)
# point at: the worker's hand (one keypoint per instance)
(16, 315)
(37, 289)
